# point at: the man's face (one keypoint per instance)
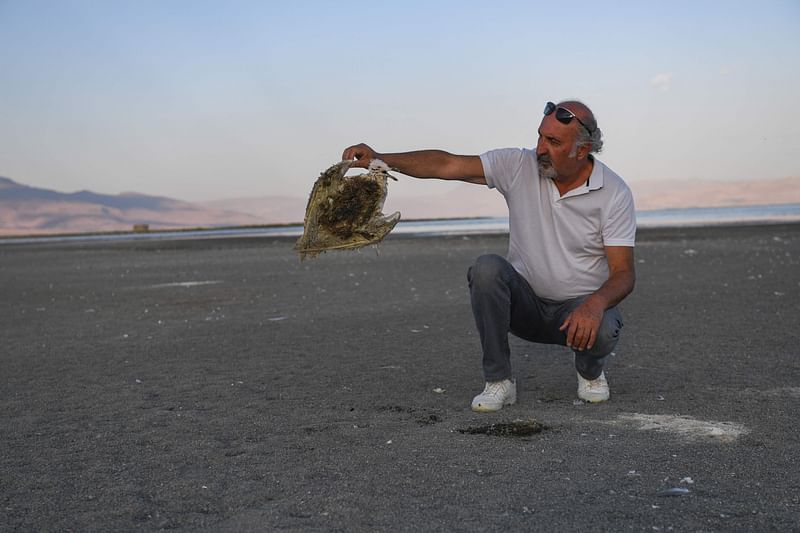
(555, 150)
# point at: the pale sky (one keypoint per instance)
(202, 100)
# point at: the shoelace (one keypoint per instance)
(593, 383)
(494, 388)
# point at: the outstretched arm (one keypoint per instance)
(423, 163)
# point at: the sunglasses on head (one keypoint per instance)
(564, 115)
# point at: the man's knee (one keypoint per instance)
(486, 271)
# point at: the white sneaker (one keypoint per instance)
(593, 390)
(495, 395)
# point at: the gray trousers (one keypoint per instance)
(503, 302)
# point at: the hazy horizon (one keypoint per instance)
(205, 101)
(27, 211)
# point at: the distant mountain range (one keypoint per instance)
(28, 210)
(699, 193)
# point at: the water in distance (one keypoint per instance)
(661, 218)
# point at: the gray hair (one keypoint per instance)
(595, 140)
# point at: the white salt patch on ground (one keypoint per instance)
(184, 284)
(785, 392)
(687, 427)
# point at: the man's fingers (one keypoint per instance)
(357, 151)
(349, 153)
(586, 340)
(592, 338)
(570, 333)
(576, 334)
(580, 336)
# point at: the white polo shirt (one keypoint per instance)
(557, 243)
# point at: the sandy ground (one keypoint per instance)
(221, 385)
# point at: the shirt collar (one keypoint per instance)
(596, 178)
(594, 182)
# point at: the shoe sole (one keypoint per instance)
(594, 400)
(486, 409)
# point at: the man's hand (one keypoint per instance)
(582, 325)
(362, 154)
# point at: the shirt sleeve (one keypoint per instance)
(500, 167)
(619, 228)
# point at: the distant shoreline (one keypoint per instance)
(670, 218)
(157, 231)
(220, 233)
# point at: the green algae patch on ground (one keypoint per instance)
(516, 428)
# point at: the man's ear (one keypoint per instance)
(583, 151)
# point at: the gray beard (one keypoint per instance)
(546, 169)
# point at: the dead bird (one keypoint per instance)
(344, 212)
